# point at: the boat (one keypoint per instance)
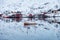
(29, 23)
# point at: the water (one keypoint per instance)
(16, 31)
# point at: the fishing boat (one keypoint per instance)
(29, 23)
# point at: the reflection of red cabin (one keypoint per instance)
(18, 17)
(30, 16)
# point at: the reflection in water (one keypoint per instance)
(16, 29)
(58, 34)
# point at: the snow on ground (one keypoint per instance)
(25, 5)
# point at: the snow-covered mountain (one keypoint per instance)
(25, 5)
